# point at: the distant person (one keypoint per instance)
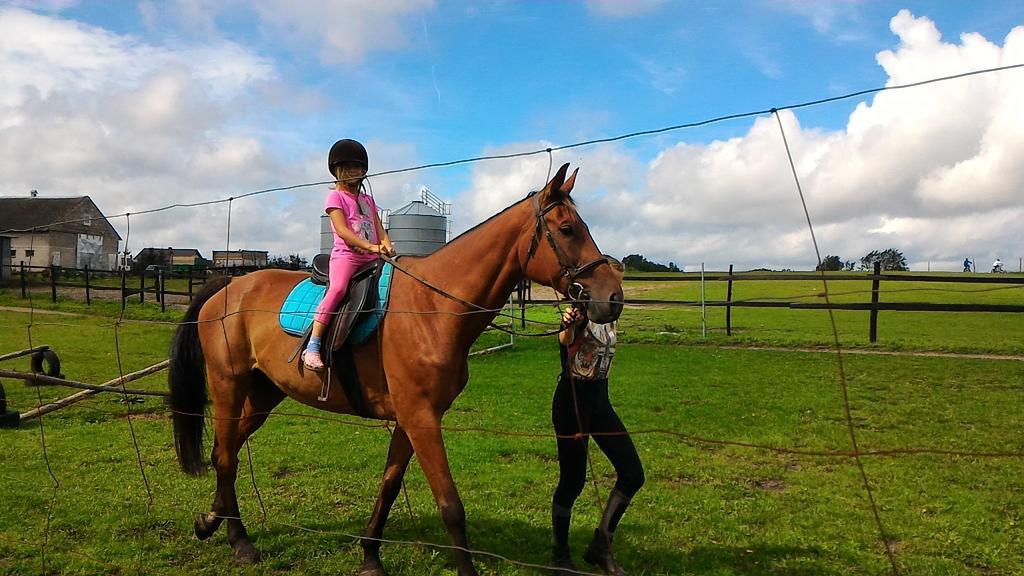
(359, 237)
(580, 408)
(967, 264)
(997, 266)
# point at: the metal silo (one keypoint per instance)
(326, 235)
(421, 226)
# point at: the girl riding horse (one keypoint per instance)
(409, 373)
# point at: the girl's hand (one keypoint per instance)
(389, 249)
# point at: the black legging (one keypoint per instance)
(596, 415)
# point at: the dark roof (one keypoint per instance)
(45, 214)
(174, 251)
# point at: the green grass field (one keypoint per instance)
(709, 506)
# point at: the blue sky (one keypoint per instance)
(141, 104)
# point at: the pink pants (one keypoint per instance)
(342, 269)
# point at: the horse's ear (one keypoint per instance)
(566, 186)
(553, 191)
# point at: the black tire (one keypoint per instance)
(7, 419)
(49, 359)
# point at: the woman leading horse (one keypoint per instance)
(409, 373)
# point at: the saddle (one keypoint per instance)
(360, 299)
(355, 320)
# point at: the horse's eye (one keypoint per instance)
(566, 230)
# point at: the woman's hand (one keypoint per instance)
(388, 248)
(571, 316)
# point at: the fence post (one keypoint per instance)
(88, 299)
(142, 286)
(53, 283)
(124, 292)
(190, 284)
(728, 305)
(161, 287)
(873, 333)
(521, 295)
(703, 310)
(24, 281)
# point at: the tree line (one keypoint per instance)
(890, 259)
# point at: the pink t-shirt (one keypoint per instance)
(360, 219)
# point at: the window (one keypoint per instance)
(14, 253)
(30, 253)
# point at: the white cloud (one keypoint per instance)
(839, 19)
(934, 171)
(623, 8)
(134, 126)
(345, 30)
(44, 5)
(341, 31)
(665, 78)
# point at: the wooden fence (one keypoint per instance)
(131, 284)
(873, 306)
(155, 283)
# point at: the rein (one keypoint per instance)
(464, 302)
(568, 271)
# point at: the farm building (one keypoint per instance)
(67, 232)
(239, 258)
(175, 259)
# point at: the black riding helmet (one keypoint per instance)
(347, 150)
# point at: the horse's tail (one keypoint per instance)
(187, 378)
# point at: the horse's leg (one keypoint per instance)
(425, 434)
(399, 454)
(241, 405)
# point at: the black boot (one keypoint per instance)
(561, 557)
(561, 560)
(599, 552)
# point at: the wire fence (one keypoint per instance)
(853, 453)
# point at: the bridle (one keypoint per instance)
(575, 290)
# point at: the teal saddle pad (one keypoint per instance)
(299, 308)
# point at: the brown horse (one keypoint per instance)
(410, 372)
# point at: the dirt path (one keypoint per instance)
(37, 311)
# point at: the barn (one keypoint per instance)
(66, 232)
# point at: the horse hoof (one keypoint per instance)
(206, 524)
(246, 554)
(377, 570)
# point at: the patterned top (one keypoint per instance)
(590, 355)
